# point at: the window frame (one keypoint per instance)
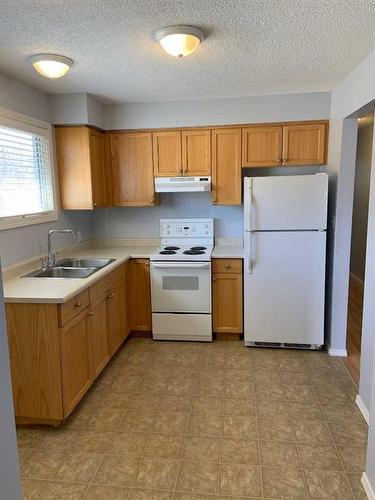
(16, 221)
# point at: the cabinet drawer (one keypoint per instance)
(102, 286)
(73, 307)
(233, 266)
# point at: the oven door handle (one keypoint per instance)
(186, 265)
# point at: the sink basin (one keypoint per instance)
(99, 263)
(63, 272)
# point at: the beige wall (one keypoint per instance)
(361, 196)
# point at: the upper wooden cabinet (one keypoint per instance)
(304, 144)
(167, 153)
(83, 171)
(185, 152)
(196, 152)
(261, 146)
(226, 166)
(132, 176)
(294, 144)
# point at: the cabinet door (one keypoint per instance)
(116, 316)
(75, 360)
(99, 173)
(167, 153)
(73, 161)
(132, 178)
(226, 166)
(196, 152)
(140, 295)
(304, 144)
(34, 354)
(261, 146)
(227, 303)
(98, 336)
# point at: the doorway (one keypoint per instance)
(358, 243)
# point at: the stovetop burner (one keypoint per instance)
(167, 252)
(198, 248)
(194, 252)
(171, 248)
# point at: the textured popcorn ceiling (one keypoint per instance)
(253, 46)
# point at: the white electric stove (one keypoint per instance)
(181, 280)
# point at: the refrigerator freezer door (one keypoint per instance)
(297, 202)
(284, 294)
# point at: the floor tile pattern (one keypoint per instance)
(192, 421)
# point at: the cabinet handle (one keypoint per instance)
(91, 313)
(227, 266)
(95, 204)
(279, 161)
(78, 304)
(180, 172)
(147, 264)
(284, 161)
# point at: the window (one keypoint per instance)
(26, 173)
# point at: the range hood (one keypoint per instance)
(182, 184)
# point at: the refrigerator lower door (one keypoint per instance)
(284, 287)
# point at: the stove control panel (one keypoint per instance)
(186, 228)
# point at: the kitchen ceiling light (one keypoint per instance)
(179, 41)
(51, 65)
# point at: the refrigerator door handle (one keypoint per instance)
(249, 252)
(249, 206)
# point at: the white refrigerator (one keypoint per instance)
(285, 222)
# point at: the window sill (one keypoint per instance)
(30, 220)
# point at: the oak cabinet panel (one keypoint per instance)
(34, 355)
(226, 166)
(139, 294)
(99, 171)
(99, 341)
(261, 146)
(196, 152)
(75, 361)
(83, 171)
(167, 149)
(116, 316)
(132, 171)
(227, 296)
(304, 144)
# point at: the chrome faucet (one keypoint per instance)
(51, 257)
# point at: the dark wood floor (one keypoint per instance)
(353, 342)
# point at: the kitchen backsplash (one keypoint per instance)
(144, 222)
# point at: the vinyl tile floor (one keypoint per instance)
(192, 421)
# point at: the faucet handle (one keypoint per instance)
(44, 262)
(78, 236)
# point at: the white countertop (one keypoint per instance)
(227, 252)
(52, 290)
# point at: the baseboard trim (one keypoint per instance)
(363, 409)
(367, 487)
(337, 352)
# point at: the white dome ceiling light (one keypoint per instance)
(179, 41)
(51, 65)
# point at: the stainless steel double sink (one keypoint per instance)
(71, 268)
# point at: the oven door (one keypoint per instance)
(181, 287)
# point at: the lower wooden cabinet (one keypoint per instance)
(99, 338)
(116, 316)
(75, 354)
(227, 296)
(57, 350)
(140, 295)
